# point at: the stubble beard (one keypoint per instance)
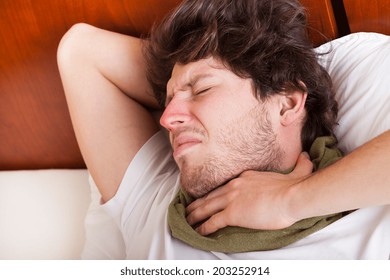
(248, 144)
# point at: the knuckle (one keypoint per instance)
(235, 183)
(247, 173)
(232, 195)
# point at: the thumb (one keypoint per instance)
(303, 167)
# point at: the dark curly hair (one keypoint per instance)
(263, 40)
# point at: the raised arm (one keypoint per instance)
(273, 201)
(103, 75)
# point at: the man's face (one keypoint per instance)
(217, 127)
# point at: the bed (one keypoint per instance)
(44, 188)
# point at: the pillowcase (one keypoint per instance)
(359, 65)
(42, 213)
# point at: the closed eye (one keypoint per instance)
(202, 91)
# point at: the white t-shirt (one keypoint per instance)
(140, 206)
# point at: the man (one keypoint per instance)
(275, 66)
(244, 92)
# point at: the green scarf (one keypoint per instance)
(236, 239)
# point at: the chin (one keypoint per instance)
(197, 187)
(196, 191)
(201, 181)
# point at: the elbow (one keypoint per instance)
(72, 47)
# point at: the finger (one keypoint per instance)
(222, 190)
(206, 210)
(303, 167)
(213, 224)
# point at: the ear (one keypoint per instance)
(292, 107)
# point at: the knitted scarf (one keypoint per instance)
(237, 239)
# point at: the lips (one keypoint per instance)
(182, 143)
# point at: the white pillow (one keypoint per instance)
(42, 213)
(359, 65)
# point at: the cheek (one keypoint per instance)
(216, 120)
(224, 110)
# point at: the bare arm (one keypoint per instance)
(360, 179)
(107, 93)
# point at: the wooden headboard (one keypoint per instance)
(35, 127)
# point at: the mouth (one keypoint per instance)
(182, 144)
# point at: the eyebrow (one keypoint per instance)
(195, 79)
(192, 81)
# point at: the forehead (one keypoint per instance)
(188, 74)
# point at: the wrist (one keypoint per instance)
(296, 202)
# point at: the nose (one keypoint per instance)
(176, 114)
